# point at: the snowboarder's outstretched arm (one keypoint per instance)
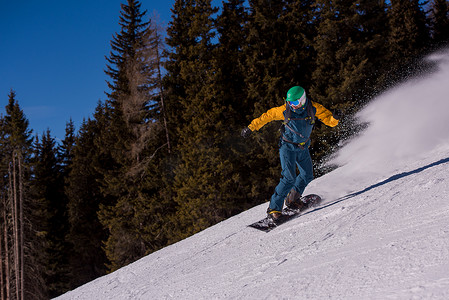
(273, 114)
(325, 115)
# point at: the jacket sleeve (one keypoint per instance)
(273, 114)
(324, 115)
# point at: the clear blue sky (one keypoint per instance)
(52, 54)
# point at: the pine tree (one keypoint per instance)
(267, 71)
(230, 79)
(65, 151)
(300, 55)
(47, 189)
(409, 35)
(124, 48)
(440, 21)
(349, 39)
(24, 273)
(349, 69)
(179, 41)
(131, 140)
(86, 234)
(16, 126)
(206, 184)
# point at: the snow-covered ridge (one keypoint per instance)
(381, 233)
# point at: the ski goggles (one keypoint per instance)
(299, 102)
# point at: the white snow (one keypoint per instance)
(382, 232)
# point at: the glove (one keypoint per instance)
(337, 114)
(246, 132)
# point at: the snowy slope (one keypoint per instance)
(382, 232)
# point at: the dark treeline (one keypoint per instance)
(161, 158)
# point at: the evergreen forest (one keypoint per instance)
(162, 157)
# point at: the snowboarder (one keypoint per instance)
(299, 114)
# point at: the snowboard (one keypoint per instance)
(267, 224)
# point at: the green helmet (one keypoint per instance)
(296, 93)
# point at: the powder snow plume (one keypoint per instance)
(405, 123)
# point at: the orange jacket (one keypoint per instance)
(277, 114)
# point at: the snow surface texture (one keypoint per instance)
(381, 233)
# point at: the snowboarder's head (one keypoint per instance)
(296, 96)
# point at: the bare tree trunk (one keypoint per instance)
(5, 238)
(22, 283)
(16, 205)
(16, 227)
(7, 250)
(2, 285)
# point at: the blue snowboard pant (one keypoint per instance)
(290, 159)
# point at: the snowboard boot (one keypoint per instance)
(274, 214)
(293, 200)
